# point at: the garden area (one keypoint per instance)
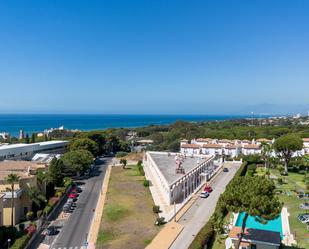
(128, 218)
(289, 188)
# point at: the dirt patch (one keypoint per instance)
(128, 219)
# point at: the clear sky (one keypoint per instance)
(154, 56)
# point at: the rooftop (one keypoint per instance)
(10, 165)
(166, 162)
(256, 235)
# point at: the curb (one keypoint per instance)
(96, 221)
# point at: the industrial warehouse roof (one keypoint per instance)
(166, 163)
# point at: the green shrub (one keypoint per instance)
(30, 215)
(121, 154)
(139, 163)
(204, 237)
(39, 213)
(21, 242)
(146, 183)
(47, 209)
(67, 182)
(280, 181)
(160, 221)
(156, 209)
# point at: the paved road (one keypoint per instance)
(199, 213)
(76, 228)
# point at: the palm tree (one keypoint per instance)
(36, 196)
(12, 179)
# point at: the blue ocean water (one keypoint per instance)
(30, 123)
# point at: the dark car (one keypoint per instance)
(225, 170)
(51, 230)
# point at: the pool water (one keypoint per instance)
(272, 225)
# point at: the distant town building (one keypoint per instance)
(21, 134)
(4, 136)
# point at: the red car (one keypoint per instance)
(72, 195)
(208, 189)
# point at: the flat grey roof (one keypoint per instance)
(167, 164)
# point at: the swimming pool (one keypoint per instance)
(272, 225)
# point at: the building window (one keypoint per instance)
(253, 246)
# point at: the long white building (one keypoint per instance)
(21, 151)
(177, 176)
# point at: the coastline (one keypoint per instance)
(32, 123)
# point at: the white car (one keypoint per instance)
(204, 194)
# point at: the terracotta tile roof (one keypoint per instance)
(190, 146)
(231, 146)
(252, 146)
(224, 141)
(219, 146)
(263, 140)
(256, 235)
(306, 140)
(203, 140)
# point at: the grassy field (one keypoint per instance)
(128, 219)
(292, 183)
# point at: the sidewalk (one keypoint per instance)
(166, 236)
(95, 225)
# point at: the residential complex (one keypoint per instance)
(230, 148)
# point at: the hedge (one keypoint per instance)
(204, 237)
(21, 242)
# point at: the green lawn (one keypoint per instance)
(128, 219)
(293, 182)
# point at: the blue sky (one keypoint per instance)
(153, 56)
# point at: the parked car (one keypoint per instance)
(51, 230)
(72, 195)
(225, 170)
(204, 194)
(208, 189)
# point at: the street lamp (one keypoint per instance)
(9, 241)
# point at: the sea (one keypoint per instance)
(33, 123)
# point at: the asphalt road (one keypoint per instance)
(75, 230)
(202, 209)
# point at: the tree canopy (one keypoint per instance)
(76, 161)
(286, 145)
(253, 195)
(85, 144)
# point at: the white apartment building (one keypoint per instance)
(177, 176)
